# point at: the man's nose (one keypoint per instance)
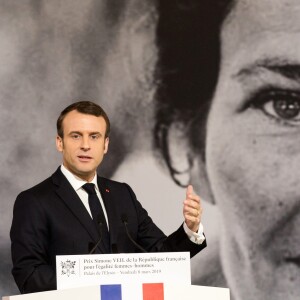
(85, 143)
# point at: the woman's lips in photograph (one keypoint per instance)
(294, 260)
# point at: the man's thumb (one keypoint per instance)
(189, 190)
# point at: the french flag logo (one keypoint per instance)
(151, 291)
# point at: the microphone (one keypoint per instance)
(124, 219)
(100, 224)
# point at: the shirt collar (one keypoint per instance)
(75, 181)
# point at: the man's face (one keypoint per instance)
(84, 144)
(253, 149)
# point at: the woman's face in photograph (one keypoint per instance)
(253, 149)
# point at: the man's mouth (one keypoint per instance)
(84, 157)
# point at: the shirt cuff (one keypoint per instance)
(195, 237)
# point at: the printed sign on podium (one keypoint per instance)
(82, 270)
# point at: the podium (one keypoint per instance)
(139, 276)
(170, 292)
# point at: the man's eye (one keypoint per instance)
(94, 136)
(281, 105)
(75, 136)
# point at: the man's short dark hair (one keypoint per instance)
(84, 107)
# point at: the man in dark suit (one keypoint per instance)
(57, 217)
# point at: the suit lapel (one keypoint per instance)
(66, 192)
(110, 207)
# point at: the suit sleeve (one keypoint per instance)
(153, 239)
(32, 268)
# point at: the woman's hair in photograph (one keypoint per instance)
(188, 39)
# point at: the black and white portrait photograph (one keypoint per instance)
(203, 100)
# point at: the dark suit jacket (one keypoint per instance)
(50, 219)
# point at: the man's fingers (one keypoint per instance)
(194, 210)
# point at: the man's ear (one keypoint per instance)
(187, 166)
(59, 143)
(106, 143)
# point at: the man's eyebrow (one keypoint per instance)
(75, 132)
(90, 133)
(287, 68)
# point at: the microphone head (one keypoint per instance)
(124, 218)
